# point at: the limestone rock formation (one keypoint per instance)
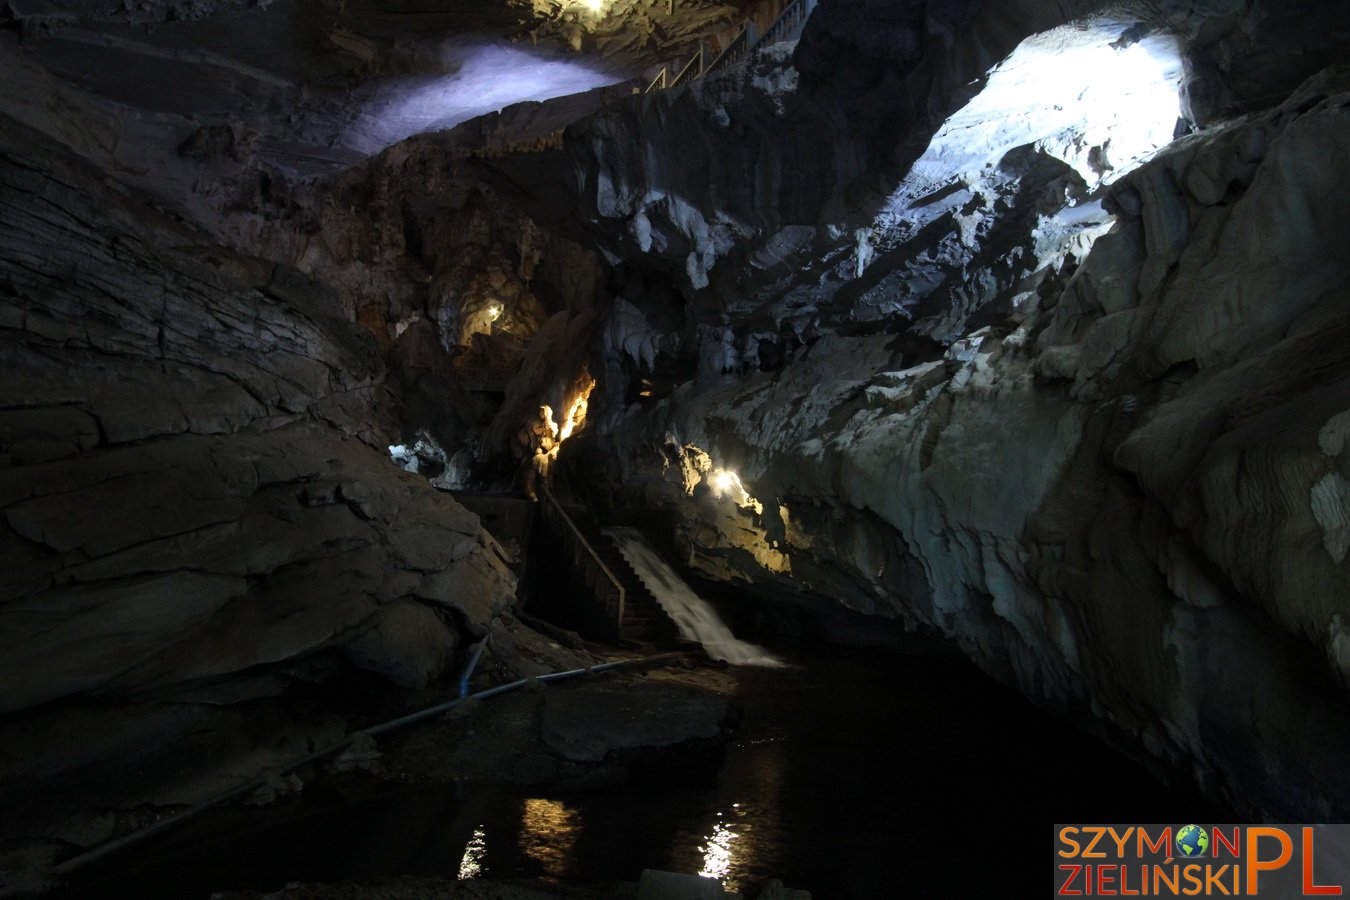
(1020, 323)
(1099, 448)
(198, 505)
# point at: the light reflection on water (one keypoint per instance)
(471, 865)
(549, 832)
(802, 794)
(717, 851)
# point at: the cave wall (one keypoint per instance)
(1122, 493)
(1086, 425)
(199, 511)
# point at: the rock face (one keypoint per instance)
(197, 497)
(971, 354)
(311, 87)
(1101, 449)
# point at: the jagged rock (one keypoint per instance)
(1088, 423)
(196, 492)
(1127, 499)
(408, 644)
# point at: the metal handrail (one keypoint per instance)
(725, 58)
(586, 545)
(689, 67)
(793, 16)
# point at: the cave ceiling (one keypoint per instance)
(316, 84)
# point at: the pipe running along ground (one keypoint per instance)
(163, 825)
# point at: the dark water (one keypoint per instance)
(853, 775)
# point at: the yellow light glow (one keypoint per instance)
(546, 413)
(549, 831)
(549, 439)
(727, 484)
(593, 5)
(575, 416)
(494, 312)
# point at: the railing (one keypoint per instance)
(785, 27)
(594, 572)
(737, 50)
(789, 22)
(692, 69)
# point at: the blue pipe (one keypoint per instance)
(473, 663)
(248, 787)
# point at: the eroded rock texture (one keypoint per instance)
(198, 506)
(981, 360)
(1100, 448)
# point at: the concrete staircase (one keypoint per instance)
(615, 604)
(786, 27)
(643, 618)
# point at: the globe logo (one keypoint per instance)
(1192, 840)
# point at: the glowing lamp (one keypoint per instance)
(593, 5)
(494, 312)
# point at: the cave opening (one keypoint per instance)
(627, 449)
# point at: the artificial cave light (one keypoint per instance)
(594, 6)
(549, 433)
(575, 418)
(494, 312)
(727, 484)
(697, 465)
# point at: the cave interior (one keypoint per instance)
(665, 448)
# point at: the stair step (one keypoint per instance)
(644, 619)
(640, 599)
